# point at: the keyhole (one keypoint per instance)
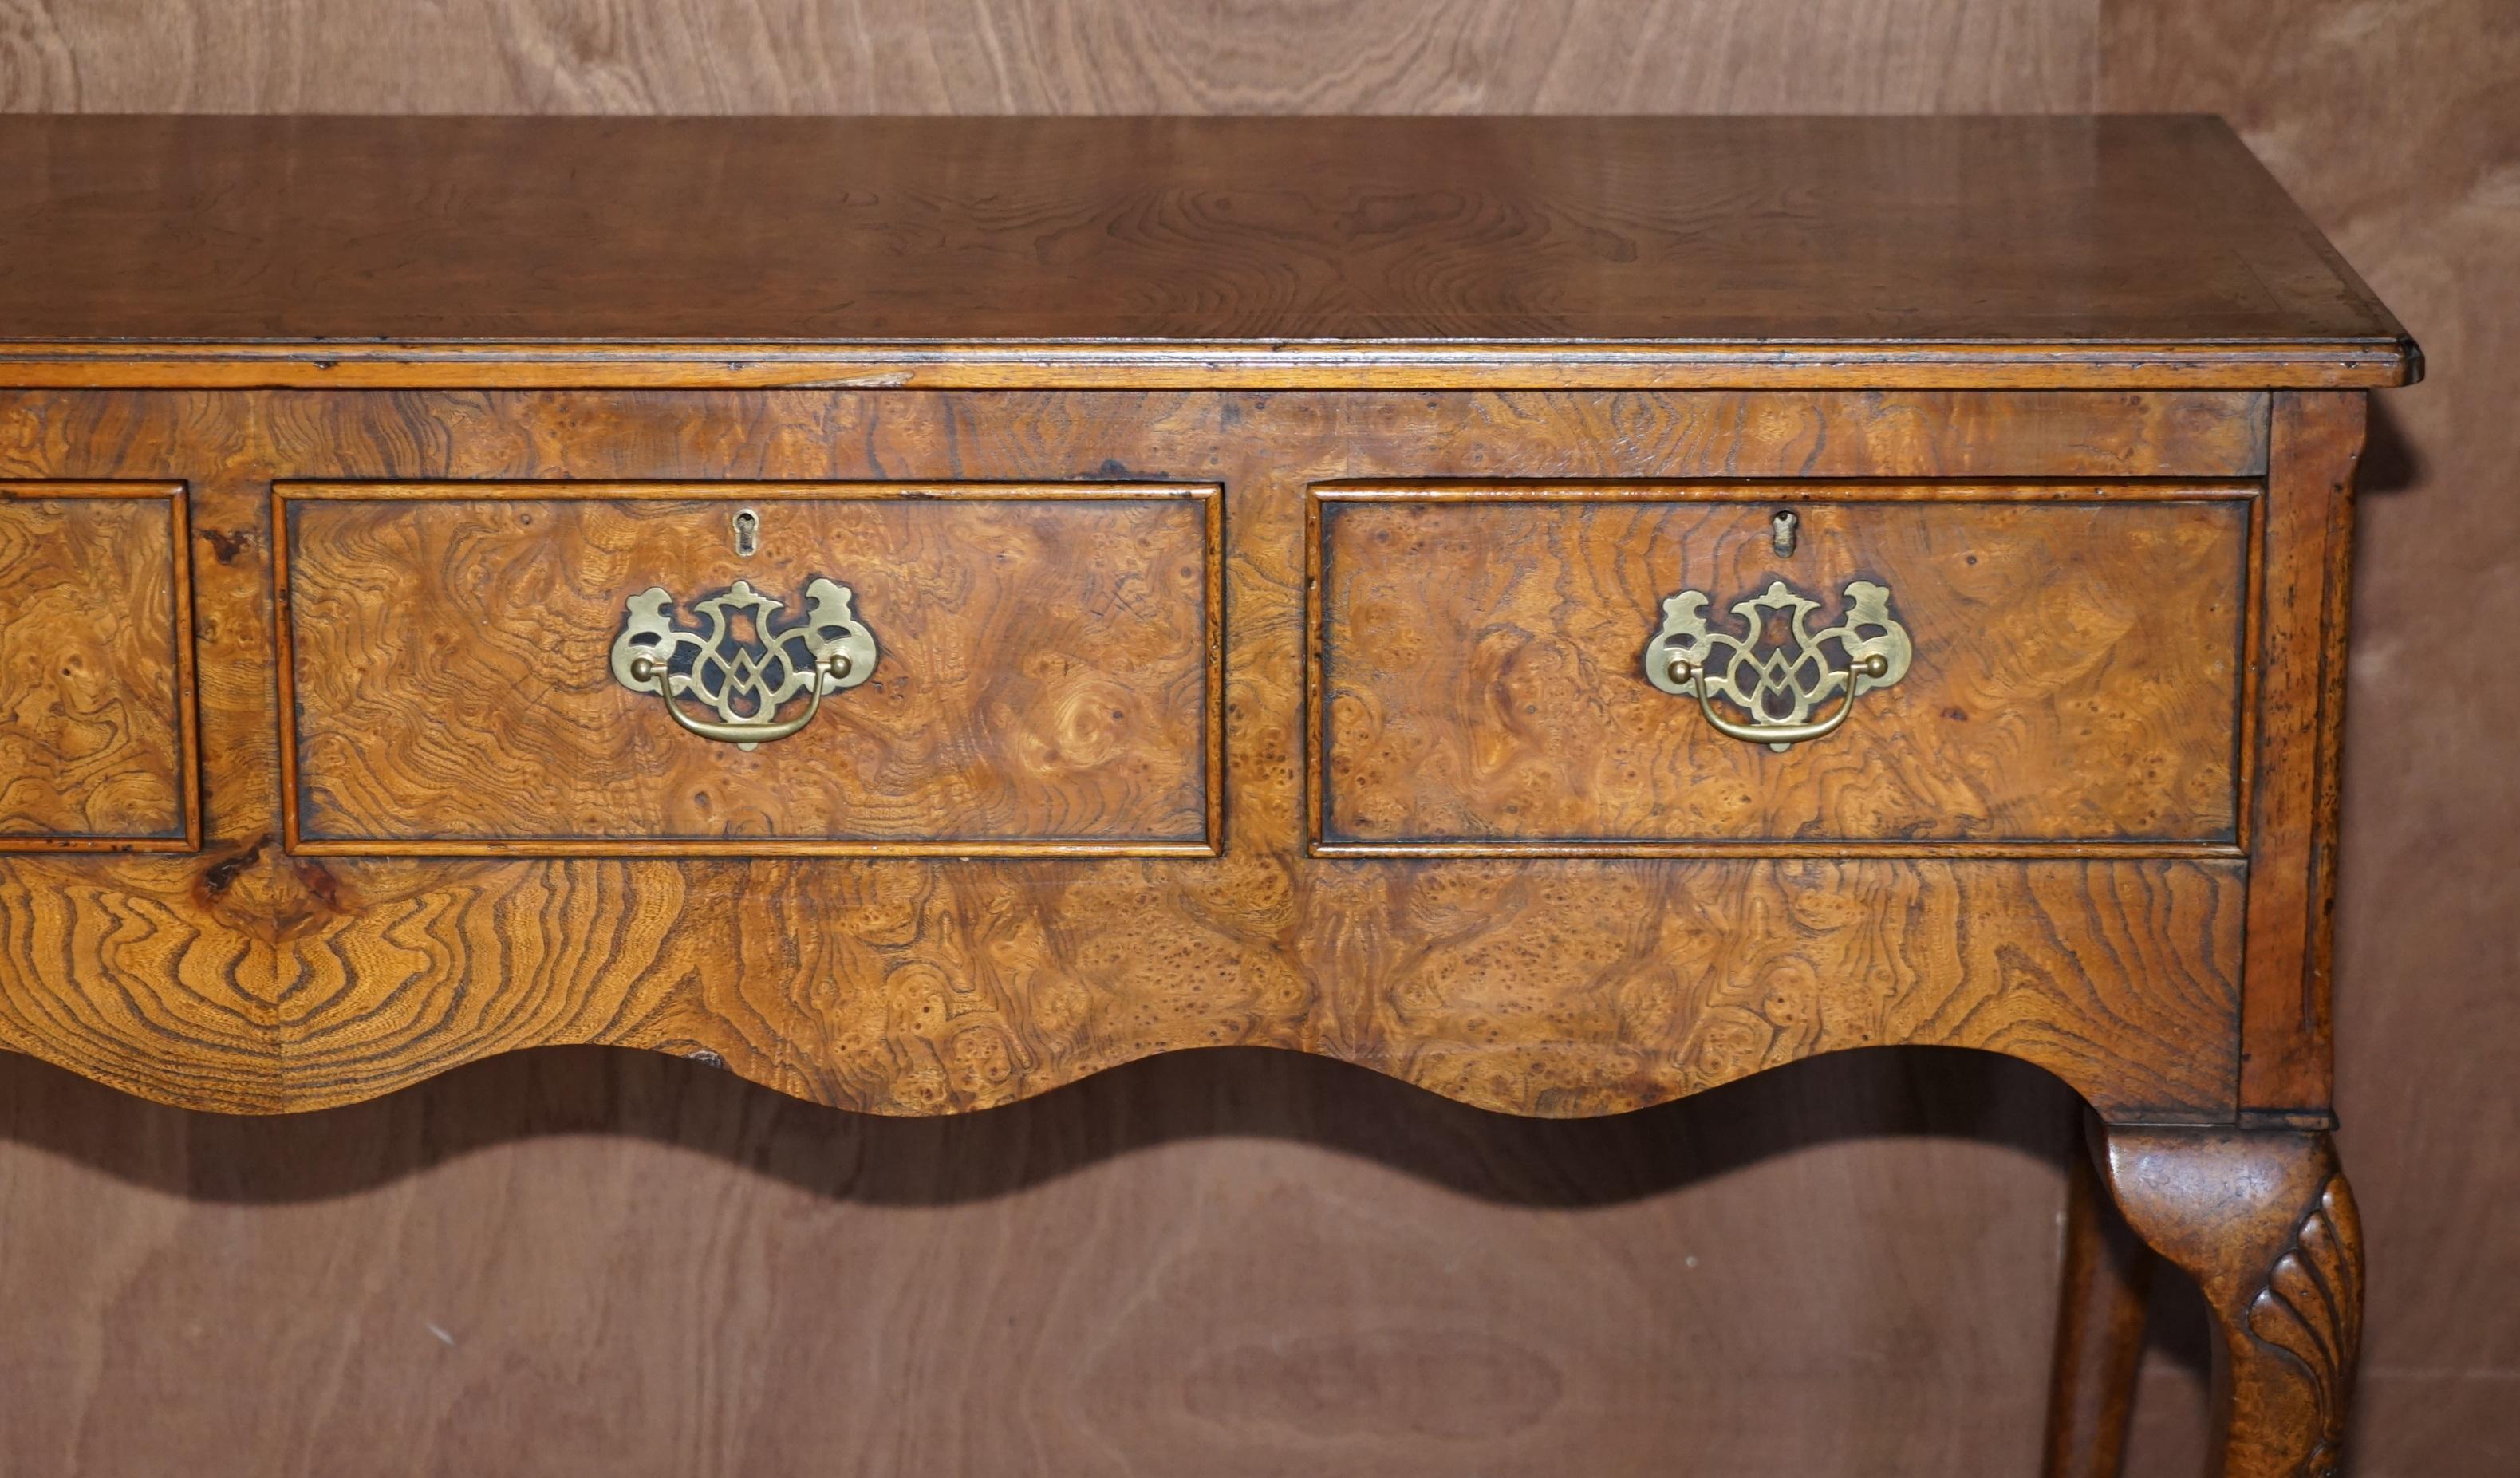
(1780, 533)
(747, 531)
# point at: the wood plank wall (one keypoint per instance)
(580, 1261)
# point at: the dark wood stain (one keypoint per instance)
(2125, 251)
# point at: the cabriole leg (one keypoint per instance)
(2099, 1332)
(2263, 1220)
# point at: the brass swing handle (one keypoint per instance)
(1778, 737)
(646, 672)
(1774, 667)
(743, 680)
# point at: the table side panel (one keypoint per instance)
(2287, 1068)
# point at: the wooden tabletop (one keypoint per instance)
(1673, 251)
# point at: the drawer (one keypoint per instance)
(749, 670)
(97, 745)
(1611, 669)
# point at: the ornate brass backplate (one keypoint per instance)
(1777, 684)
(744, 682)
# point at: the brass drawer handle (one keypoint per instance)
(1777, 686)
(743, 680)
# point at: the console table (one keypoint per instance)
(1565, 612)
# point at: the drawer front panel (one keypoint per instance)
(2059, 667)
(1030, 669)
(96, 669)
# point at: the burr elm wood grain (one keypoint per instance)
(1047, 680)
(2056, 251)
(629, 61)
(96, 669)
(269, 977)
(907, 988)
(928, 984)
(2076, 682)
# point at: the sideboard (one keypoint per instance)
(1564, 612)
